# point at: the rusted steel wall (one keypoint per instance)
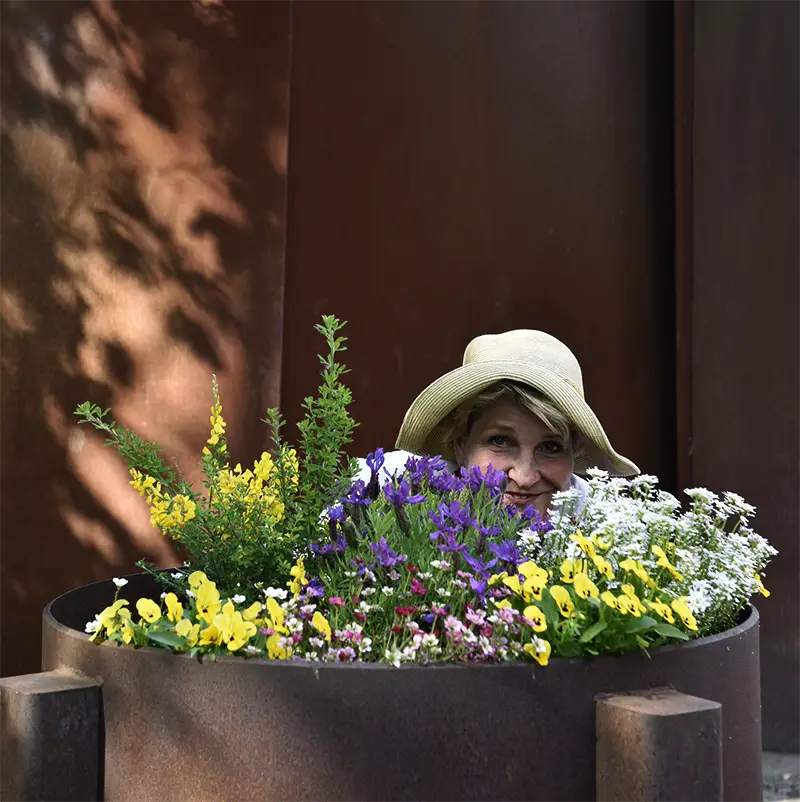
(746, 304)
(464, 168)
(143, 186)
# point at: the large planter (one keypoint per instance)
(176, 728)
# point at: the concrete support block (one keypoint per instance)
(50, 738)
(658, 745)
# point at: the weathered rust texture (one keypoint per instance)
(142, 212)
(659, 746)
(254, 729)
(746, 304)
(50, 739)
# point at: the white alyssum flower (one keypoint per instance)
(92, 626)
(120, 583)
(177, 575)
(250, 649)
(276, 593)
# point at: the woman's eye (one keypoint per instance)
(552, 447)
(498, 440)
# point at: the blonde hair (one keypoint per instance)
(455, 427)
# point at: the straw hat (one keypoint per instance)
(530, 357)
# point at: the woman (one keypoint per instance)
(516, 403)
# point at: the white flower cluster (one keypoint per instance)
(716, 557)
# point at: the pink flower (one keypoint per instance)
(416, 587)
(337, 600)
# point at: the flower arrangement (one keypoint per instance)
(290, 560)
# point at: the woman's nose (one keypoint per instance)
(525, 473)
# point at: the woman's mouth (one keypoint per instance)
(519, 499)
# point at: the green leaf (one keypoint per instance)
(639, 624)
(569, 648)
(593, 631)
(169, 639)
(668, 631)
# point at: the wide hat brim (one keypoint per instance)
(419, 432)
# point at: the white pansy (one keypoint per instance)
(239, 599)
(276, 593)
(120, 583)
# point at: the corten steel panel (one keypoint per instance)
(747, 305)
(464, 168)
(143, 207)
(241, 729)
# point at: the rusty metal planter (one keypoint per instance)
(175, 728)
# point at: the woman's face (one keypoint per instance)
(536, 460)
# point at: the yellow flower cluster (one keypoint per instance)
(166, 512)
(218, 425)
(534, 594)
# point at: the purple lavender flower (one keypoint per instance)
(375, 460)
(402, 494)
(337, 546)
(419, 468)
(478, 566)
(506, 551)
(446, 482)
(449, 543)
(479, 586)
(357, 495)
(337, 513)
(386, 556)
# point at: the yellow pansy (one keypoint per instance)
(609, 599)
(630, 592)
(761, 589)
(186, 629)
(320, 623)
(174, 607)
(563, 601)
(534, 614)
(208, 602)
(495, 578)
(662, 609)
(148, 610)
(233, 629)
(637, 569)
(603, 566)
(602, 543)
(584, 586)
(276, 615)
(197, 578)
(275, 650)
(569, 568)
(298, 572)
(539, 651)
(112, 618)
(127, 631)
(502, 603)
(663, 562)
(210, 636)
(686, 615)
(251, 613)
(534, 582)
(627, 606)
(513, 583)
(587, 547)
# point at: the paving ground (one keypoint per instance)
(781, 777)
